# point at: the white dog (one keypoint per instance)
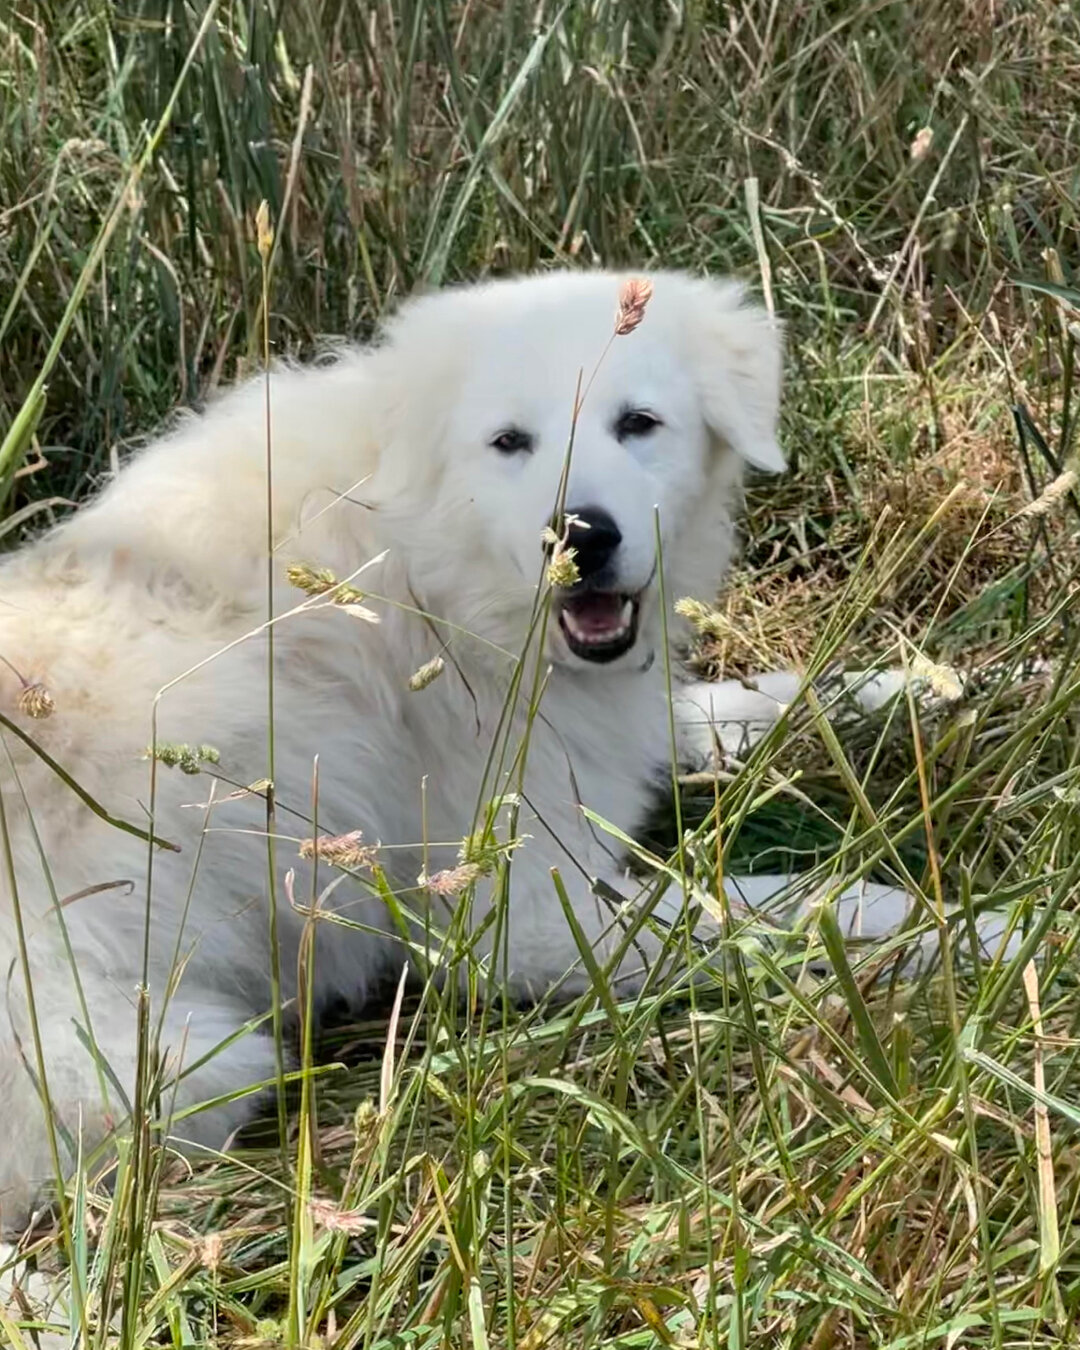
(431, 466)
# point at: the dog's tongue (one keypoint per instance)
(596, 615)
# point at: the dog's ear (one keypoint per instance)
(736, 351)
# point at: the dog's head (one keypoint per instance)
(483, 452)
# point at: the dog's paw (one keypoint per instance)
(728, 716)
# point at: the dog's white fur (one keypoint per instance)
(144, 617)
(160, 585)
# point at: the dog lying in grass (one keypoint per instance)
(407, 617)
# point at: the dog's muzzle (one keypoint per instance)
(598, 619)
(598, 625)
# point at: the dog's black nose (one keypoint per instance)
(595, 536)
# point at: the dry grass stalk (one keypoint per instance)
(1049, 1238)
(1051, 495)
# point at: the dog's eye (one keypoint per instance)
(512, 441)
(635, 422)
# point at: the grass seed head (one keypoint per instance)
(264, 231)
(36, 701)
(210, 1252)
(562, 571)
(634, 296)
(315, 581)
(483, 850)
(427, 674)
(943, 680)
(188, 759)
(334, 1219)
(452, 880)
(920, 146)
(339, 850)
(311, 580)
(707, 621)
(365, 1119)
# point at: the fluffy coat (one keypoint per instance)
(144, 616)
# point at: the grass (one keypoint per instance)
(779, 1157)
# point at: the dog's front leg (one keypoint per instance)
(553, 929)
(727, 714)
(91, 1074)
(736, 714)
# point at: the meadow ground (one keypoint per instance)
(779, 1158)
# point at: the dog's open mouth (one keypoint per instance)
(599, 625)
